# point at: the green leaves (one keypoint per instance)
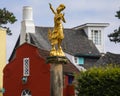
(115, 36)
(99, 82)
(118, 14)
(6, 17)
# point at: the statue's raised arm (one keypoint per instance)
(51, 8)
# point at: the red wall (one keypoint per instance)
(39, 79)
(69, 89)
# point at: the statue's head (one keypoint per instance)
(61, 7)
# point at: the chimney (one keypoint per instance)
(27, 25)
(2, 56)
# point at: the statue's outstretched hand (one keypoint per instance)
(50, 4)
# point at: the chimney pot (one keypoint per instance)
(27, 13)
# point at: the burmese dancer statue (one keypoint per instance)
(56, 35)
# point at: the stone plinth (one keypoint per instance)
(56, 74)
(56, 60)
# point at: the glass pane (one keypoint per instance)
(81, 60)
(96, 36)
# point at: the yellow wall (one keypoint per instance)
(2, 55)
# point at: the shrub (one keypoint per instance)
(99, 82)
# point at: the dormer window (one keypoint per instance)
(79, 60)
(96, 36)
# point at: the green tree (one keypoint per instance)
(115, 36)
(102, 81)
(5, 18)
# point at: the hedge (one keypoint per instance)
(99, 82)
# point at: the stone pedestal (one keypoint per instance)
(56, 74)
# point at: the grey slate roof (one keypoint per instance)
(109, 58)
(75, 41)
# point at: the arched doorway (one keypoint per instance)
(26, 92)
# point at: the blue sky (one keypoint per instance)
(77, 12)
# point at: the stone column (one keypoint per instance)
(56, 73)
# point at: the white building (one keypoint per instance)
(95, 32)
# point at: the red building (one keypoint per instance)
(28, 74)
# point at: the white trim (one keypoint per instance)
(76, 60)
(92, 25)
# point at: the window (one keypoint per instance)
(80, 60)
(75, 60)
(96, 36)
(70, 79)
(26, 67)
(26, 92)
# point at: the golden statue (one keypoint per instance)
(55, 37)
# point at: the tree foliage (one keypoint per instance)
(5, 18)
(99, 82)
(115, 36)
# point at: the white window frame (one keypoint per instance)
(76, 60)
(96, 36)
(26, 66)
